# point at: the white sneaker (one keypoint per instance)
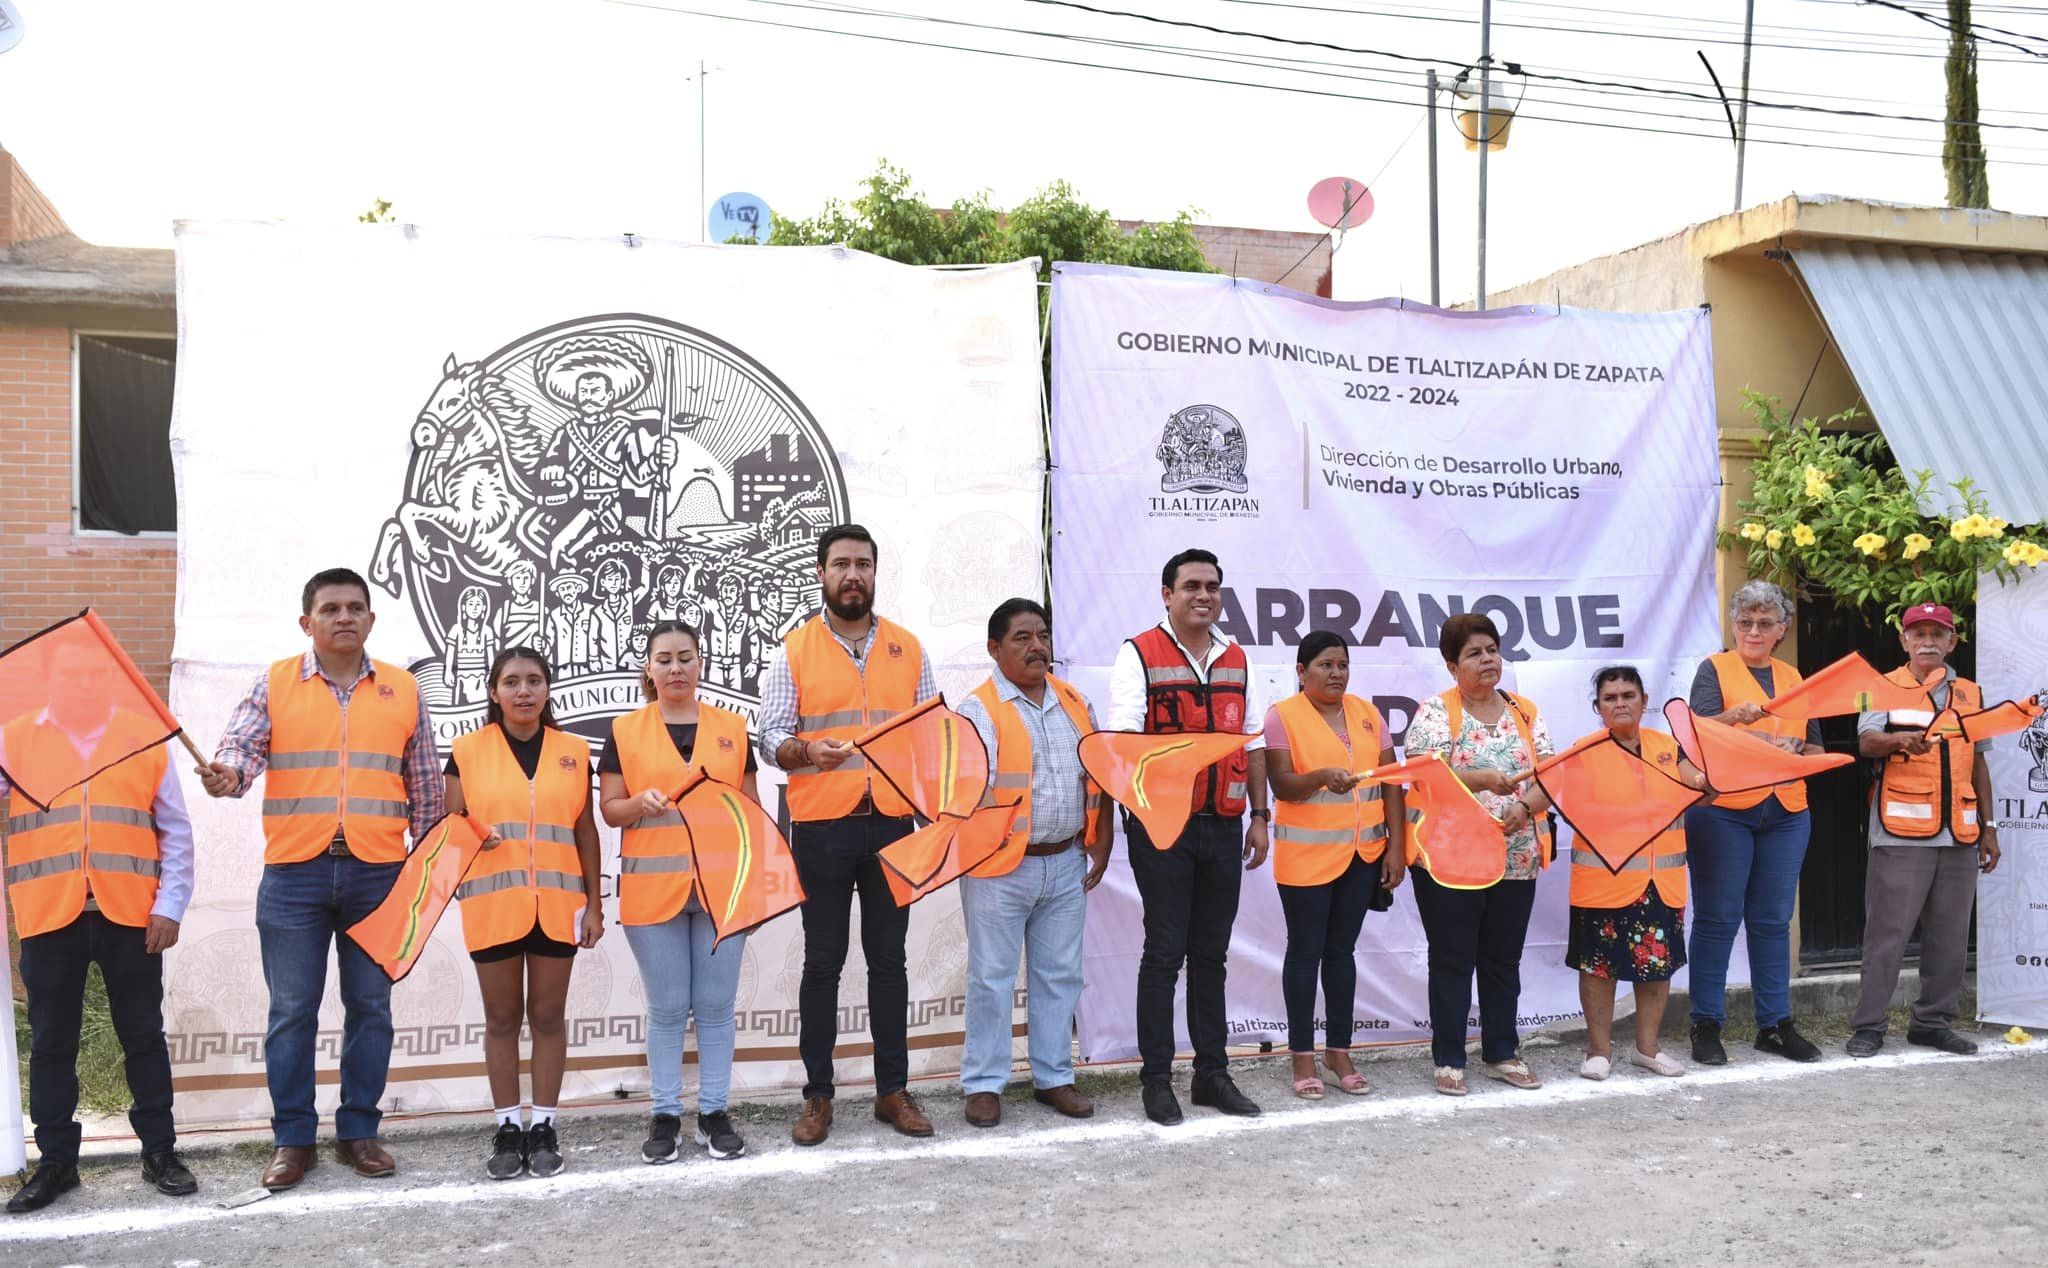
(1595, 1068)
(1663, 1063)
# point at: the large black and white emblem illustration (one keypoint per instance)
(1202, 450)
(587, 481)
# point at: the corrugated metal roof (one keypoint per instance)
(1950, 349)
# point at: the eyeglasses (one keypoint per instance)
(1759, 627)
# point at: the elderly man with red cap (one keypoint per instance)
(1928, 841)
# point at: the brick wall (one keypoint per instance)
(47, 572)
(1266, 255)
(25, 214)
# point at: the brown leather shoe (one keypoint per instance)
(1066, 1100)
(815, 1123)
(901, 1112)
(288, 1166)
(366, 1157)
(984, 1109)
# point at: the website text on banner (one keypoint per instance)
(560, 442)
(2012, 902)
(1371, 469)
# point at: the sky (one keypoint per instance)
(582, 116)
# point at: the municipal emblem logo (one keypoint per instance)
(566, 762)
(589, 480)
(1203, 464)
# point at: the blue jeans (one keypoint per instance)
(302, 908)
(1038, 911)
(1745, 871)
(683, 975)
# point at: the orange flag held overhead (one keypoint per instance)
(76, 676)
(396, 933)
(1849, 685)
(746, 874)
(944, 850)
(1451, 833)
(1986, 724)
(1153, 776)
(932, 756)
(1736, 761)
(1615, 802)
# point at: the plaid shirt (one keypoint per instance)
(245, 744)
(1059, 807)
(776, 721)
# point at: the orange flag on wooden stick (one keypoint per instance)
(1448, 831)
(746, 874)
(1849, 685)
(1153, 776)
(1736, 761)
(1615, 801)
(396, 932)
(944, 850)
(73, 679)
(932, 756)
(1985, 724)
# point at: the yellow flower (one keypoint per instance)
(1802, 535)
(1775, 538)
(1916, 544)
(1965, 528)
(1870, 543)
(2027, 553)
(1994, 527)
(1817, 484)
(2016, 1035)
(1753, 531)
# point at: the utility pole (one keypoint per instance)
(1429, 105)
(703, 207)
(1742, 126)
(1485, 135)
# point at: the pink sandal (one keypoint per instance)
(1309, 1089)
(1352, 1084)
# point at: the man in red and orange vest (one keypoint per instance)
(100, 877)
(840, 673)
(1927, 843)
(1029, 900)
(352, 764)
(1185, 675)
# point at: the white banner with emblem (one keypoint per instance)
(558, 442)
(2012, 902)
(1370, 468)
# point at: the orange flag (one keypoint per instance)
(932, 756)
(1449, 831)
(1999, 719)
(1615, 802)
(396, 933)
(746, 874)
(1153, 776)
(944, 850)
(1736, 761)
(1849, 685)
(74, 675)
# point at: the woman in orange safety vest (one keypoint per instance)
(531, 897)
(1338, 850)
(1629, 925)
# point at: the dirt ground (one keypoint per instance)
(1910, 1158)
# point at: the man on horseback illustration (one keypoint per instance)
(607, 460)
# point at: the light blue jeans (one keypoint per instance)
(1037, 911)
(682, 975)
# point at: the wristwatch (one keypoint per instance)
(1263, 812)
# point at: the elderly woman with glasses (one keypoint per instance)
(1746, 848)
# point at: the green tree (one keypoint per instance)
(1962, 141)
(378, 214)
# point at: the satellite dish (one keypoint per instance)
(1340, 202)
(743, 216)
(10, 25)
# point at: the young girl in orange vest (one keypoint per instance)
(649, 756)
(530, 899)
(1629, 926)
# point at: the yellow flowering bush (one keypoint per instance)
(1831, 513)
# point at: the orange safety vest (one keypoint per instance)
(1522, 711)
(334, 768)
(97, 840)
(838, 700)
(1739, 686)
(654, 854)
(1315, 839)
(535, 875)
(1662, 861)
(1178, 699)
(1010, 770)
(1919, 797)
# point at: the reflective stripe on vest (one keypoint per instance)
(838, 700)
(337, 769)
(1315, 838)
(1582, 857)
(1739, 686)
(97, 841)
(655, 864)
(1935, 792)
(534, 875)
(655, 879)
(1011, 766)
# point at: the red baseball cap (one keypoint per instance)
(1934, 612)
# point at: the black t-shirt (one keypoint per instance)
(682, 734)
(526, 752)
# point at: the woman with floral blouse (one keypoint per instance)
(1492, 739)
